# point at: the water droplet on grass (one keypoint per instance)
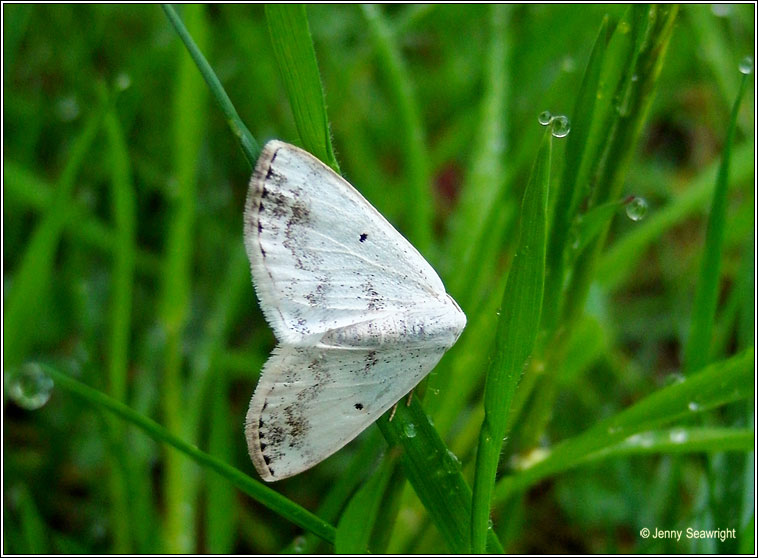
(410, 430)
(545, 117)
(560, 126)
(29, 386)
(746, 65)
(636, 208)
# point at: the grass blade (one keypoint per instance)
(697, 348)
(516, 333)
(435, 475)
(358, 519)
(416, 156)
(32, 277)
(247, 142)
(256, 490)
(293, 48)
(124, 210)
(190, 111)
(619, 262)
(720, 383)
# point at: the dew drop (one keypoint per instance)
(746, 65)
(560, 126)
(123, 81)
(410, 430)
(636, 208)
(678, 436)
(67, 108)
(545, 117)
(29, 386)
(693, 406)
(452, 464)
(298, 545)
(721, 10)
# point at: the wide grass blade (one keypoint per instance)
(435, 474)
(520, 313)
(720, 383)
(256, 490)
(293, 48)
(697, 348)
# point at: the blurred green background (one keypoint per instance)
(111, 135)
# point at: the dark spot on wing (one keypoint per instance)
(363, 238)
(359, 406)
(260, 227)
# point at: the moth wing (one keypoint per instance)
(311, 401)
(321, 255)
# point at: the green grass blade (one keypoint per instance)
(221, 502)
(293, 48)
(256, 490)
(434, 472)
(28, 189)
(31, 279)
(359, 518)
(618, 264)
(517, 328)
(247, 142)
(485, 180)
(414, 136)
(124, 210)
(565, 201)
(190, 111)
(697, 348)
(680, 440)
(720, 383)
(651, 33)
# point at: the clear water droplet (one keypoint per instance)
(452, 464)
(29, 386)
(746, 65)
(560, 126)
(545, 117)
(410, 430)
(123, 81)
(490, 524)
(693, 406)
(721, 10)
(67, 108)
(568, 64)
(636, 208)
(678, 436)
(298, 545)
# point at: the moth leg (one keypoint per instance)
(407, 404)
(394, 408)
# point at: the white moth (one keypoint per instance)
(360, 316)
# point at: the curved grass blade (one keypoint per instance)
(720, 383)
(516, 333)
(619, 262)
(293, 48)
(256, 490)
